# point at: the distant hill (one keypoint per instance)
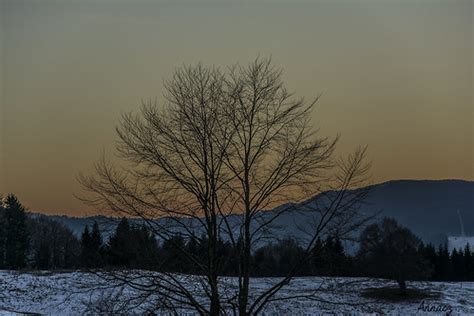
(427, 207)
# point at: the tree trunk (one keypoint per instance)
(215, 303)
(402, 286)
(244, 291)
(213, 273)
(245, 259)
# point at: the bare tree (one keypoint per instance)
(226, 147)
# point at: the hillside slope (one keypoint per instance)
(427, 207)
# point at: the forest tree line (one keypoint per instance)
(37, 242)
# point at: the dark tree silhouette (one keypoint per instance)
(16, 234)
(52, 246)
(85, 245)
(443, 263)
(96, 245)
(431, 258)
(278, 259)
(132, 247)
(468, 264)
(34, 241)
(174, 258)
(391, 251)
(2, 234)
(120, 247)
(91, 247)
(224, 147)
(458, 264)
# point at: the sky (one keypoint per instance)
(394, 75)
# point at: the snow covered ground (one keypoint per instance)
(75, 293)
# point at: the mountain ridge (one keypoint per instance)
(427, 207)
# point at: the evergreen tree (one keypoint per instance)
(326, 255)
(444, 263)
(146, 254)
(317, 256)
(95, 247)
(71, 250)
(96, 237)
(228, 260)
(192, 247)
(120, 246)
(428, 252)
(16, 233)
(173, 256)
(329, 258)
(289, 254)
(85, 246)
(91, 247)
(469, 264)
(337, 262)
(278, 259)
(457, 265)
(2, 234)
(265, 262)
